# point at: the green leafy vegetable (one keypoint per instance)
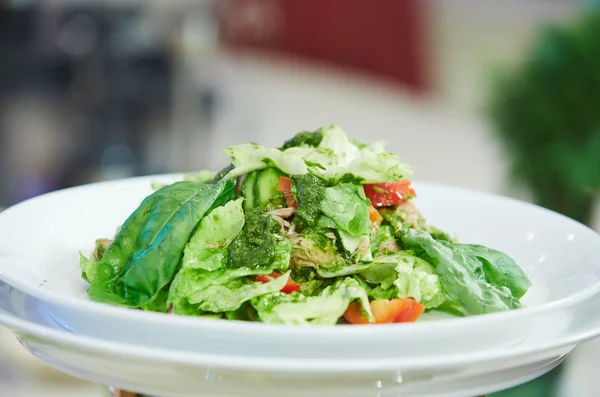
(222, 173)
(310, 282)
(381, 272)
(197, 291)
(343, 270)
(251, 157)
(417, 279)
(326, 308)
(245, 312)
(500, 269)
(334, 158)
(159, 304)
(452, 307)
(410, 276)
(347, 206)
(146, 252)
(346, 209)
(356, 246)
(207, 248)
(461, 275)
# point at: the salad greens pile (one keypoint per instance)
(322, 230)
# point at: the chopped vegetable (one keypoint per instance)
(386, 311)
(389, 194)
(285, 187)
(374, 215)
(289, 287)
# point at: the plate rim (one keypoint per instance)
(563, 344)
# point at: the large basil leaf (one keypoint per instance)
(146, 253)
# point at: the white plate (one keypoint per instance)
(42, 238)
(171, 373)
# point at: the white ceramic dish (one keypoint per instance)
(172, 373)
(42, 238)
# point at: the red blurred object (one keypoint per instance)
(385, 37)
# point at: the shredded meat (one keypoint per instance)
(389, 246)
(283, 212)
(285, 225)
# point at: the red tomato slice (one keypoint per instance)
(385, 311)
(411, 314)
(285, 187)
(288, 288)
(387, 194)
(264, 279)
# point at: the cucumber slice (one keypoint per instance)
(248, 191)
(265, 188)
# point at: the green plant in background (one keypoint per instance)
(547, 114)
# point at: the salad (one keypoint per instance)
(322, 230)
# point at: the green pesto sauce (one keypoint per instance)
(310, 192)
(305, 139)
(347, 178)
(254, 247)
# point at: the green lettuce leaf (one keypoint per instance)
(461, 275)
(207, 248)
(417, 279)
(500, 269)
(381, 273)
(333, 159)
(346, 209)
(406, 276)
(251, 157)
(346, 205)
(326, 308)
(342, 270)
(245, 312)
(197, 291)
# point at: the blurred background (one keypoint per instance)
(496, 96)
